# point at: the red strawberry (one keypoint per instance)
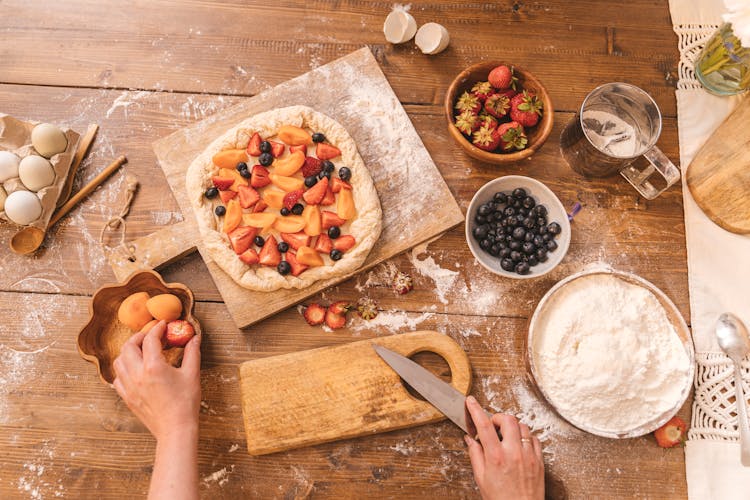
(269, 255)
(296, 240)
(344, 243)
(259, 177)
(512, 137)
(242, 238)
(249, 257)
(179, 333)
(253, 147)
(468, 102)
(487, 120)
(315, 194)
(329, 198)
(526, 109)
(482, 90)
(340, 307)
(314, 314)
(507, 93)
(467, 122)
(326, 151)
(335, 321)
(402, 283)
(672, 433)
(337, 185)
(497, 105)
(330, 219)
(297, 268)
(301, 147)
(502, 78)
(260, 206)
(226, 196)
(277, 148)
(222, 183)
(486, 138)
(312, 166)
(292, 197)
(248, 196)
(324, 244)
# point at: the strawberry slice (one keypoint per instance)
(314, 314)
(340, 307)
(242, 238)
(329, 199)
(672, 433)
(249, 257)
(315, 194)
(337, 185)
(253, 147)
(326, 152)
(269, 255)
(312, 166)
(277, 148)
(260, 177)
(226, 196)
(324, 244)
(297, 268)
(260, 206)
(301, 147)
(335, 321)
(344, 243)
(296, 240)
(330, 219)
(222, 183)
(291, 198)
(248, 196)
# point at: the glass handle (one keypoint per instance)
(654, 179)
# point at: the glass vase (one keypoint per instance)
(723, 66)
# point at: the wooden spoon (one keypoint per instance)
(30, 238)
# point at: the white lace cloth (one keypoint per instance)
(718, 274)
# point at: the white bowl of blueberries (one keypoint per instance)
(517, 228)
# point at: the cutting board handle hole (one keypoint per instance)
(432, 362)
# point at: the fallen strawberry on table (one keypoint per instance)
(671, 434)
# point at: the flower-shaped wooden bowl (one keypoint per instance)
(536, 135)
(103, 336)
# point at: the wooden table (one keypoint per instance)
(142, 70)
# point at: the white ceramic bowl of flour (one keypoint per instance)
(611, 353)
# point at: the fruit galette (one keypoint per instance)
(284, 199)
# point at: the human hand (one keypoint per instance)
(509, 469)
(166, 399)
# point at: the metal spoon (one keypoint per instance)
(733, 340)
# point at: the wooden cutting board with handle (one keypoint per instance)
(719, 175)
(312, 397)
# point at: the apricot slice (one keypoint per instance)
(165, 306)
(233, 217)
(313, 224)
(233, 174)
(286, 183)
(289, 165)
(133, 312)
(345, 206)
(261, 219)
(289, 224)
(148, 326)
(309, 257)
(294, 136)
(274, 199)
(229, 158)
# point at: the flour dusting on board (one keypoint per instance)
(33, 483)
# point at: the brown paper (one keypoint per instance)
(15, 136)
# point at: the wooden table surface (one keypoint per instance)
(144, 69)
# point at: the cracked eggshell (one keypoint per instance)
(23, 207)
(36, 172)
(432, 38)
(8, 165)
(48, 140)
(3, 196)
(399, 26)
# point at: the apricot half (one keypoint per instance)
(165, 307)
(133, 312)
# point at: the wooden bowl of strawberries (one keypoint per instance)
(498, 112)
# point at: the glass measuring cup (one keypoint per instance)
(617, 124)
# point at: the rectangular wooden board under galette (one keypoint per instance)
(417, 204)
(312, 397)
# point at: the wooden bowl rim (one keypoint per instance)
(545, 125)
(92, 358)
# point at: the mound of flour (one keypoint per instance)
(608, 356)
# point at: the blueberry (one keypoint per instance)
(480, 219)
(241, 166)
(485, 209)
(538, 240)
(540, 211)
(532, 260)
(318, 137)
(516, 203)
(506, 222)
(519, 233)
(528, 202)
(284, 267)
(514, 245)
(345, 174)
(509, 238)
(485, 244)
(480, 232)
(325, 174)
(529, 223)
(548, 236)
(500, 197)
(543, 230)
(283, 246)
(245, 173)
(554, 228)
(507, 264)
(334, 232)
(328, 166)
(541, 254)
(519, 219)
(541, 221)
(311, 181)
(494, 250)
(297, 209)
(265, 159)
(528, 248)
(509, 211)
(523, 211)
(259, 241)
(335, 254)
(504, 253)
(529, 237)
(515, 256)
(220, 210)
(519, 193)
(522, 268)
(502, 243)
(265, 147)
(499, 207)
(551, 245)
(284, 211)
(211, 192)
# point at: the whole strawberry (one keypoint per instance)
(526, 108)
(487, 120)
(511, 137)
(482, 90)
(486, 138)
(497, 105)
(502, 77)
(367, 308)
(402, 283)
(468, 102)
(467, 122)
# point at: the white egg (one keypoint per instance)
(8, 165)
(3, 196)
(36, 172)
(23, 207)
(48, 140)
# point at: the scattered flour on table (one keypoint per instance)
(221, 476)
(33, 483)
(393, 321)
(444, 278)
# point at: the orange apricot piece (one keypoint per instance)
(294, 136)
(165, 306)
(229, 158)
(133, 312)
